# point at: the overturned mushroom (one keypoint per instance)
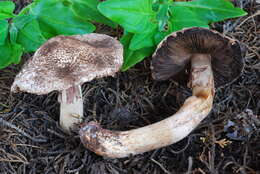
(196, 50)
(63, 63)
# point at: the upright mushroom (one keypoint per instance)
(63, 63)
(196, 53)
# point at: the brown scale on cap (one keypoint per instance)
(172, 58)
(65, 61)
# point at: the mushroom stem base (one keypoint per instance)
(118, 144)
(71, 107)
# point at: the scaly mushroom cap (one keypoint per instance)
(172, 57)
(65, 61)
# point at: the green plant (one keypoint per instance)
(145, 22)
(41, 20)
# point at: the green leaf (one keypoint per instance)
(29, 34)
(139, 41)
(27, 8)
(21, 21)
(212, 10)
(87, 9)
(10, 53)
(6, 9)
(159, 36)
(135, 16)
(13, 31)
(183, 18)
(179, 20)
(126, 38)
(139, 45)
(133, 57)
(163, 16)
(3, 31)
(56, 17)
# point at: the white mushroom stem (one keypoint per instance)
(118, 144)
(71, 107)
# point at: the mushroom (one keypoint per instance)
(194, 54)
(63, 63)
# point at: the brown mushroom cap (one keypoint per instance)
(172, 57)
(65, 61)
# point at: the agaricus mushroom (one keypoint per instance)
(199, 51)
(63, 63)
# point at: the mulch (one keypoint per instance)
(227, 141)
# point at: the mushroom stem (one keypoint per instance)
(71, 107)
(118, 144)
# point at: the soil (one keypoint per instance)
(227, 141)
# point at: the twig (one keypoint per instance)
(12, 160)
(190, 165)
(249, 17)
(10, 125)
(161, 166)
(56, 133)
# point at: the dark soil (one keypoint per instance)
(227, 141)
